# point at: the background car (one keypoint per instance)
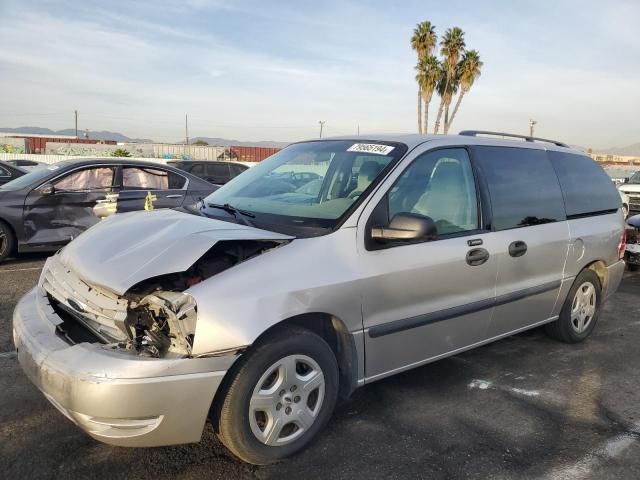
(9, 172)
(46, 208)
(212, 171)
(625, 203)
(27, 165)
(631, 187)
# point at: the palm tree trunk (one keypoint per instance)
(440, 110)
(455, 110)
(446, 117)
(419, 111)
(426, 114)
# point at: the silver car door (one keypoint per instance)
(424, 300)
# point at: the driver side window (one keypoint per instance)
(100, 178)
(440, 185)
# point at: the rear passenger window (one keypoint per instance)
(523, 186)
(218, 170)
(143, 178)
(587, 189)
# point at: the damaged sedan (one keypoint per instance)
(261, 305)
(44, 209)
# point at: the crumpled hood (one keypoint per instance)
(127, 248)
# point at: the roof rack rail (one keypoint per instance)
(475, 133)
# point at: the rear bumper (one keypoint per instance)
(615, 271)
(115, 396)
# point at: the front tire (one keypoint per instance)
(580, 311)
(7, 241)
(282, 393)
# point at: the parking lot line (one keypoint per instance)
(11, 354)
(21, 269)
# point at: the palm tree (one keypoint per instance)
(468, 72)
(423, 42)
(447, 88)
(429, 72)
(451, 46)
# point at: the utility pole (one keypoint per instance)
(76, 113)
(532, 123)
(186, 128)
(358, 129)
(321, 122)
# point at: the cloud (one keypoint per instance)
(271, 71)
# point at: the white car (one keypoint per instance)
(631, 188)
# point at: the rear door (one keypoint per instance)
(152, 186)
(422, 300)
(531, 231)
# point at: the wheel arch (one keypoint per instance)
(599, 267)
(331, 329)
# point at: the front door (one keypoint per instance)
(531, 231)
(64, 209)
(153, 187)
(423, 300)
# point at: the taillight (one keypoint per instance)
(623, 244)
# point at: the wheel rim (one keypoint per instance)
(286, 400)
(583, 307)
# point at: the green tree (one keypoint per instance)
(423, 41)
(468, 72)
(120, 152)
(451, 48)
(200, 142)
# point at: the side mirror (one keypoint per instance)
(46, 189)
(406, 227)
(626, 179)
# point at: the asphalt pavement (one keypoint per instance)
(523, 407)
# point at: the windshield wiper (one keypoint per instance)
(233, 211)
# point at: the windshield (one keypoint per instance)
(635, 178)
(310, 184)
(29, 178)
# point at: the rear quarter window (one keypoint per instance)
(523, 186)
(586, 187)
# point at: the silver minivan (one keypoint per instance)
(330, 265)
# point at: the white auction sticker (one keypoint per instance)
(375, 148)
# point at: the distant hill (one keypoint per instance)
(629, 150)
(102, 135)
(119, 137)
(227, 142)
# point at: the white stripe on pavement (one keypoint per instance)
(21, 269)
(8, 355)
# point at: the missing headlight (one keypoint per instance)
(163, 324)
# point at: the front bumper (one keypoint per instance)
(115, 396)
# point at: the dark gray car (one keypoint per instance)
(46, 208)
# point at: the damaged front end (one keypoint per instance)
(154, 318)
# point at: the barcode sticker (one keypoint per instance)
(374, 148)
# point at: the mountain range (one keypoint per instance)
(629, 150)
(119, 137)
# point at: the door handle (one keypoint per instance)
(517, 248)
(477, 256)
(174, 196)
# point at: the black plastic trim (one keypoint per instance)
(592, 214)
(453, 312)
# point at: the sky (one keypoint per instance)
(271, 70)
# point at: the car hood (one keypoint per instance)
(630, 188)
(128, 248)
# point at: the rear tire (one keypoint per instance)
(580, 311)
(7, 241)
(632, 267)
(281, 394)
